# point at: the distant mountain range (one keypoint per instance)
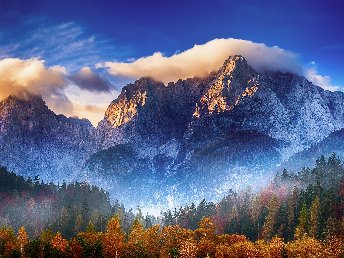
(176, 143)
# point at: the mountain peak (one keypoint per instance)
(236, 62)
(23, 103)
(234, 80)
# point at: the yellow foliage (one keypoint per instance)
(22, 239)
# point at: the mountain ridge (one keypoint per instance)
(182, 141)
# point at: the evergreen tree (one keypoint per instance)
(314, 218)
(301, 229)
(268, 228)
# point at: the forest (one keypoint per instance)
(298, 214)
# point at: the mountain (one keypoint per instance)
(36, 141)
(181, 142)
(207, 135)
(284, 106)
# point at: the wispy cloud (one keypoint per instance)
(67, 44)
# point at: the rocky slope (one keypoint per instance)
(334, 143)
(36, 141)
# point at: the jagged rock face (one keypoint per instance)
(150, 113)
(228, 87)
(36, 141)
(289, 108)
(283, 106)
(196, 133)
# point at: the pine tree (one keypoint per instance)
(292, 213)
(301, 229)
(314, 218)
(268, 228)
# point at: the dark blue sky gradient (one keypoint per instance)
(135, 28)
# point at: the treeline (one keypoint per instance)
(67, 208)
(297, 215)
(310, 202)
(156, 241)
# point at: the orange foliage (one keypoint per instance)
(152, 241)
(188, 249)
(311, 247)
(8, 241)
(75, 249)
(172, 239)
(22, 239)
(113, 243)
(59, 243)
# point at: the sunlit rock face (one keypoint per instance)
(36, 141)
(149, 113)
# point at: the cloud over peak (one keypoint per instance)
(88, 96)
(200, 60)
(31, 75)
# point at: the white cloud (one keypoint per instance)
(200, 60)
(321, 80)
(86, 94)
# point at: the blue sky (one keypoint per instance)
(77, 34)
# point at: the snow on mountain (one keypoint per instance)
(36, 141)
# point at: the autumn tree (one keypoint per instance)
(113, 239)
(172, 239)
(152, 241)
(136, 245)
(22, 239)
(8, 247)
(207, 238)
(59, 243)
(75, 249)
